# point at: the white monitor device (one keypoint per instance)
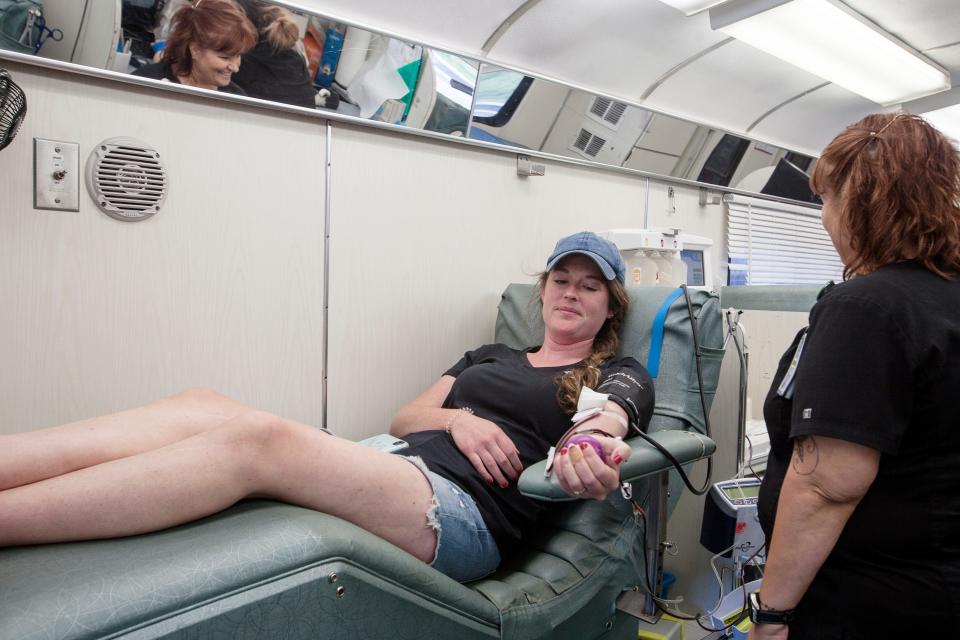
(688, 252)
(695, 253)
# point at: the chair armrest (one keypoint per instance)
(645, 460)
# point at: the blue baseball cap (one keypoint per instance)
(600, 250)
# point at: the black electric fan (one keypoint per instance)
(13, 108)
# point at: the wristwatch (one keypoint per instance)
(759, 615)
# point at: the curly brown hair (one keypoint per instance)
(217, 25)
(897, 180)
(605, 346)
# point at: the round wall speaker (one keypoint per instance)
(126, 179)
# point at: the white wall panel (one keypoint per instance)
(761, 82)
(222, 288)
(822, 114)
(922, 23)
(619, 47)
(424, 237)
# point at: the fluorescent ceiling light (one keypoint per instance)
(691, 7)
(947, 120)
(829, 40)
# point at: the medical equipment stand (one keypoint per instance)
(638, 602)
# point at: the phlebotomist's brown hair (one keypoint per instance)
(217, 25)
(897, 180)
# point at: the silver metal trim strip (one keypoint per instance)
(325, 340)
(785, 103)
(666, 76)
(506, 24)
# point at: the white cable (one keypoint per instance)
(719, 578)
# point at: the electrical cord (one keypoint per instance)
(749, 459)
(657, 601)
(679, 467)
(698, 356)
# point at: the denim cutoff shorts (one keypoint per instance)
(466, 549)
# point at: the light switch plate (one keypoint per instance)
(56, 175)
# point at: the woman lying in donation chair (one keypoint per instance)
(450, 500)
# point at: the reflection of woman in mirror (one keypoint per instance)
(204, 48)
(274, 69)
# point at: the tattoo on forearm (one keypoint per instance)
(806, 456)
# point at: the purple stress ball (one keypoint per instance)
(578, 439)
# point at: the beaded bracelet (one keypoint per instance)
(454, 417)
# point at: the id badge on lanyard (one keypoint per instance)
(785, 390)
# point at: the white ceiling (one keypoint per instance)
(623, 48)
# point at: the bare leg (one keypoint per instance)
(37, 455)
(255, 454)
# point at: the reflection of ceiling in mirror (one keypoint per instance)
(628, 49)
(455, 24)
(636, 48)
(532, 113)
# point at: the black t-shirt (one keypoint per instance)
(275, 74)
(163, 71)
(880, 366)
(501, 385)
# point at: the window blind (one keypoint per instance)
(777, 243)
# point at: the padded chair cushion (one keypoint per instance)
(258, 570)
(583, 552)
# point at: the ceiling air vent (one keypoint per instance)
(615, 112)
(126, 179)
(600, 106)
(588, 143)
(608, 111)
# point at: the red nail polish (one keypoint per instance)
(617, 458)
(504, 485)
(563, 451)
(584, 446)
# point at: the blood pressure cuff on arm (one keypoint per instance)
(631, 387)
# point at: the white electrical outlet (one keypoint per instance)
(56, 175)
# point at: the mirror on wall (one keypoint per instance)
(519, 110)
(311, 61)
(299, 59)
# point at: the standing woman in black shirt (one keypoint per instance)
(861, 499)
(451, 501)
(274, 69)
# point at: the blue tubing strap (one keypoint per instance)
(656, 337)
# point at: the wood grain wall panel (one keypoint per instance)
(222, 288)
